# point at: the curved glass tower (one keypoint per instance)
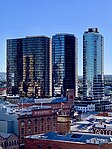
(93, 64)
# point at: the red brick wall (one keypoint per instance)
(102, 114)
(55, 107)
(33, 144)
(49, 121)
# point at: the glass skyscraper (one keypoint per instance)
(14, 65)
(64, 63)
(29, 66)
(93, 64)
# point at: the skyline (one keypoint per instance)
(23, 18)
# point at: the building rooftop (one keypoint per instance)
(42, 100)
(63, 34)
(41, 36)
(94, 30)
(26, 100)
(72, 137)
(40, 107)
(51, 100)
(14, 109)
(58, 100)
(99, 118)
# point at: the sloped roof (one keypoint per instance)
(5, 135)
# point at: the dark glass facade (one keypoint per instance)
(64, 63)
(35, 66)
(93, 64)
(14, 65)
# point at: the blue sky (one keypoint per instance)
(19, 18)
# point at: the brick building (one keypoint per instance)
(63, 139)
(101, 123)
(55, 102)
(31, 118)
(54, 140)
(8, 141)
(43, 119)
(40, 119)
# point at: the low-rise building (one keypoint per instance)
(64, 139)
(8, 141)
(37, 120)
(29, 118)
(85, 108)
(8, 118)
(55, 102)
(53, 140)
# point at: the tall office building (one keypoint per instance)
(64, 63)
(34, 67)
(14, 65)
(93, 64)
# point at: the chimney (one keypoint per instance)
(63, 124)
(70, 95)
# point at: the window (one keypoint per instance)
(47, 127)
(35, 120)
(29, 130)
(54, 118)
(14, 142)
(5, 144)
(42, 120)
(22, 139)
(22, 123)
(49, 147)
(2, 144)
(9, 143)
(39, 146)
(36, 129)
(48, 119)
(29, 122)
(22, 130)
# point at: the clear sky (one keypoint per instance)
(19, 18)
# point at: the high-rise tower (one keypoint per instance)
(65, 66)
(14, 65)
(93, 64)
(29, 66)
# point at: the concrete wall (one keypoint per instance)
(3, 126)
(10, 117)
